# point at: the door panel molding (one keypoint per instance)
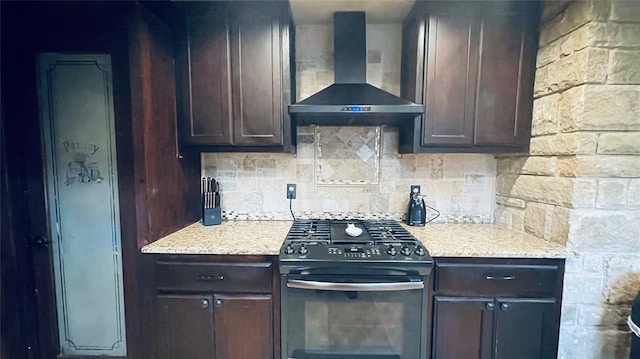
(77, 114)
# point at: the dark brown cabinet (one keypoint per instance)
(235, 76)
(496, 309)
(462, 317)
(211, 309)
(524, 328)
(214, 326)
(473, 66)
(243, 326)
(185, 326)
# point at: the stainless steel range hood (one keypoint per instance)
(351, 101)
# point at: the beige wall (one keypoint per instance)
(580, 185)
(461, 186)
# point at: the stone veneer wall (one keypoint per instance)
(580, 183)
(253, 185)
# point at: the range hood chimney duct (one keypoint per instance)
(350, 101)
(350, 47)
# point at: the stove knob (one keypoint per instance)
(303, 249)
(392, 251)
(420, 251)
(288, 249)
(405, 251)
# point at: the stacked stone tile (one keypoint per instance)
(580, 183)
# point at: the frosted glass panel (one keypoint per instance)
(82, 187)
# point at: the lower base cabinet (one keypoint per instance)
(218, 326)
(524, 328)
(461, 320)
(184, 326)
(498, 328)
(243, 326)
(496, 309)
(215, 310)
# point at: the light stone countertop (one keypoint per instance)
(230, 237)
(442, 240)
(484, 240)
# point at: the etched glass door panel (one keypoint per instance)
(82, 192)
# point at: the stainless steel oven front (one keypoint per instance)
(354, 316)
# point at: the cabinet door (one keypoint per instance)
(256, 58)
(185, 327)
(204, 80)
(525, 329)
(505, 79)
(452, 46)
(462, 327)
(244, 326)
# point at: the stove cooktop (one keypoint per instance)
(334, 232)
(325, 242)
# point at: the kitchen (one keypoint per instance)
(577, 186)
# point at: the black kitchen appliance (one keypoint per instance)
(417, 209)
(356, 297)
(351, 101)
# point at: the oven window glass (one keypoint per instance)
(327, 324)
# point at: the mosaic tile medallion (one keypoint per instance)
(347, 155)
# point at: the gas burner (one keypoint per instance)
(381, 241)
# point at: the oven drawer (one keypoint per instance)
(496, 279)
(218, 277)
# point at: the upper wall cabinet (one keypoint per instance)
(472, 66)
(234, 76)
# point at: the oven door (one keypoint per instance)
(355, 317)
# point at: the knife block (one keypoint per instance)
(211, 216)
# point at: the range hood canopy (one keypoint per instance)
(351, 101)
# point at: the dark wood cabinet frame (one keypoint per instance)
(472, 65)
(156, 193)
(489, 311)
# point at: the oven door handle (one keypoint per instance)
(354, 287)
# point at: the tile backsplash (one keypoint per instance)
(253, 185)
(347, 155)
(353, 172)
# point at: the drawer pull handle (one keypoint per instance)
(491, 306)
(207, 277)
(204, 303)
(506, 277)
(504, 306)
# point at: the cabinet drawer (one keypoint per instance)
(495, 279)
(219, 277)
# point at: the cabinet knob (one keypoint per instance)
(218, 302)
(491, 306)
(204, 303)
(504, 306)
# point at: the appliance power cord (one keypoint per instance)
(291, 209)
(434, 217)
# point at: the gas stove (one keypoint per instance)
(325, 243)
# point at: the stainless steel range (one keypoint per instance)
(354, 289)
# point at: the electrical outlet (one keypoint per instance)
(415, 188)
(291, 190)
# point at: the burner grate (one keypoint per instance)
(376, 231)
(309, 230)
(388, 231)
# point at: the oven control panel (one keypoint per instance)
(400, 251)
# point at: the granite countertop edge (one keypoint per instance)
(441, 239)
